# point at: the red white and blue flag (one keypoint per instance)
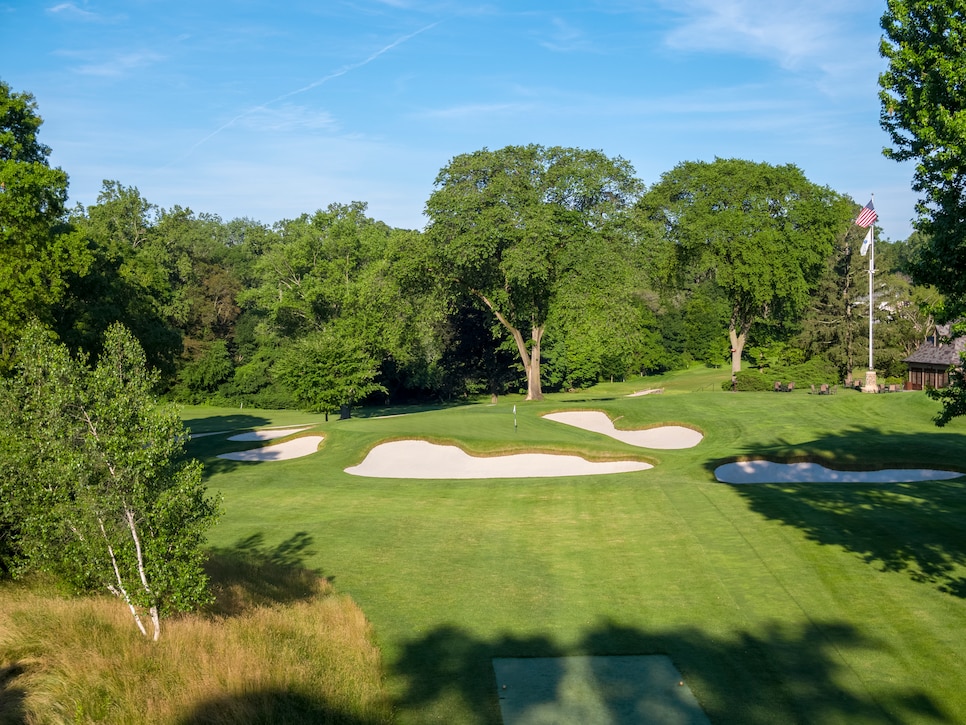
(867, 216)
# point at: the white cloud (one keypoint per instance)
(787, 31)
(289, 118)
(119, 65)
(566, 38)
(478, 110)
(71, 10)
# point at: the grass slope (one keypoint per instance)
(792, 603)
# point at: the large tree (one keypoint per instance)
(37, 248)
(923, 101)
(133, 279)
(95, 480)
(760, 232)
(328, 370)
(501, 223)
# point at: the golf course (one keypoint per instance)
(788, 602)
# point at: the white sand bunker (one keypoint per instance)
(295, 448)
(421, 459)
(666, 437)
(768, 472)
(650, 391)
(267, 434)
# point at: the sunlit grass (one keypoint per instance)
(830, 605)
(303, 654)
(778, 603)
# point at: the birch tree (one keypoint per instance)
(103, 495)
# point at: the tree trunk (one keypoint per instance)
(534, 388)
(142, 572)
(737, 345)
(529, 358)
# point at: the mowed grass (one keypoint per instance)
(812, 603)
(794, 603)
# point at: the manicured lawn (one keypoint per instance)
(812, 603)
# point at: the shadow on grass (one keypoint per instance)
(864, 448)
(251, 574)
(270, 706)
(918, 528)
(215, 423)
(785, 673)
(11, 695)
(383, 411)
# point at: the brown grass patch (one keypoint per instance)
(305, 655)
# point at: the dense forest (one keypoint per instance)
(539, 269)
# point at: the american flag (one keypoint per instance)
(867, 216)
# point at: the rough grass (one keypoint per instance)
(278, 646)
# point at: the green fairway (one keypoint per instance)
(807, 603)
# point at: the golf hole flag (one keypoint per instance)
(867, 216)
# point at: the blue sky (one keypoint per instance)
(268, 109)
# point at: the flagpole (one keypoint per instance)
(871, 381)
(871, 286)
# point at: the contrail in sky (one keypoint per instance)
(334, 74)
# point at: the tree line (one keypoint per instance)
(538, 269)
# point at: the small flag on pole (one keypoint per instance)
(867, 216)
(865, 243)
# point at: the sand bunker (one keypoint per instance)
(267, 434)
(666, 437)
(421, 459)
(639, 393)
(768, 472)
(295, 448)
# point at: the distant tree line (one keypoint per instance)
(538, 269)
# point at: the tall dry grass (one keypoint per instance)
(278, 645)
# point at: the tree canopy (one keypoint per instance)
(538, 270)
(760, 232)
(923, 100)
(95, 488)
(501, 224)
(38, 250)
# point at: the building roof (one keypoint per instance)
(945, 355)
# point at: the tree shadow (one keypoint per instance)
(12, 695)
(393, 409)
(250, 574)
(271, 706)
(783, 673)
(217, 423)
(918, 528)
(206, 446)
